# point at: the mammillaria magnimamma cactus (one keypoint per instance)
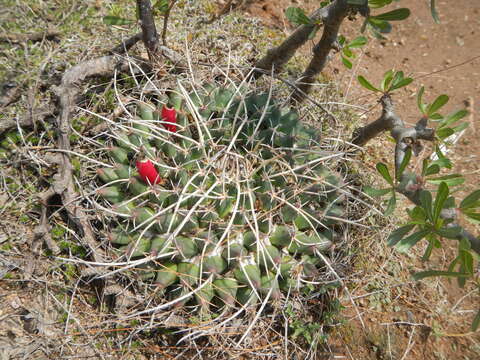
(225, 196)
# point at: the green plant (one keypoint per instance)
(433, 219)
(229, 201)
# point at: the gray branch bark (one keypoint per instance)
(336, 13)
(149, 31)
(279, 56)
(407, 137)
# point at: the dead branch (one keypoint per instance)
(410, 184)
(38, 36)
(10, 93)
(63, 184)
(127, 44)
(26, 120)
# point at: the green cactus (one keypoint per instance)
(242, 202)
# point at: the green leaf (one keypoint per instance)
(391, 205)
(420, 104)
(460, 127)
(442, 161)
(432, 170)
(450, 233)
(436, 117)
(387, 78)
(404, 164)
(437, 104)
(466, 260)
(450, 180)
(417, 214)
(364, 82)
(394, 15)
(383, 170)
(473, 217)
(162, 6)
(428, 251)
(370, 191)
(379, 27)
(115, 20)
(445, 132)
(405, 244)
(433, 9)
(399, 234)
(375, 4)
(453, 118)
(348, 53)
(358, 42)
(347, 62)
(426, 202)
(442, 195)
(430, 273)
(471, 201)
(399, 81)
(297, 16)
(476, 321)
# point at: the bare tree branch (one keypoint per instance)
(127, 44)
(28, 119)
(149, 31)
(280, 55)
(336, 13)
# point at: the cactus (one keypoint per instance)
(222, 188)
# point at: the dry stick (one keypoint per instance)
(39, 36)
(28, 119)
(149, 31)
(127, 44)
(63, 184)
(337, 12)
(407, 137)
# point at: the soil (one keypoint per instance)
(445, 59)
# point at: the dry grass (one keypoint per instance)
(48, 310)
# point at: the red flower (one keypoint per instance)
(170, 116)
(147, 172)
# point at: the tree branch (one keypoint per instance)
(277, 57)
(407, 138)
(149, 31)
(336, 13)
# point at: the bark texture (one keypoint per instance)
(410, 184)
(277, 57)
(149, 31)
(336, 13)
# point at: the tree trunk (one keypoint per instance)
(149, 31)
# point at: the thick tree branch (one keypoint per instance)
(385, 122)
(127, 44)
(280, 55)
(336, 13)
(407, 138)
(63, 184)
(149, 31)
(26, 120)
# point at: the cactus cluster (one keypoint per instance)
(226, 195)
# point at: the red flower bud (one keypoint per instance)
(170, 116)
(147, 172)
